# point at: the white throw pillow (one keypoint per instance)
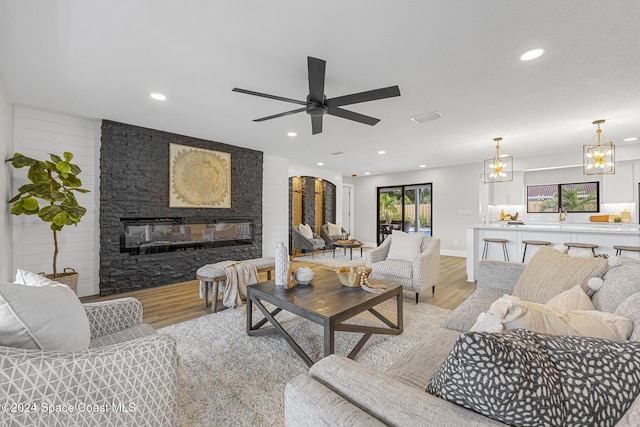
(334, 229)
(42, 317)
(514, 313)
(29, 278)
(306, 231)
(404, 246)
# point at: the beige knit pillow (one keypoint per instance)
(548, 273)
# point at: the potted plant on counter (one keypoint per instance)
(53, 183)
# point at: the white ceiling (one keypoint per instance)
(101, 59)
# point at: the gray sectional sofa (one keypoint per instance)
(341, 392)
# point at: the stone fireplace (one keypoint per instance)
(145, 243)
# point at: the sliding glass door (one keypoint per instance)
(404, 207)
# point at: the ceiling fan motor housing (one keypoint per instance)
(316, 109)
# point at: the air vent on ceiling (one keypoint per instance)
(426, 117)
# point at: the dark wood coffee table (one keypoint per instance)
(326, 302)
(347, 244)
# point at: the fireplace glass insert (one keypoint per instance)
(140, 236)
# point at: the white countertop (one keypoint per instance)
(590, 227)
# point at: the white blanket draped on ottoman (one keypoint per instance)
(238, 276)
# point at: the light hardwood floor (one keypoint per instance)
(179, 302)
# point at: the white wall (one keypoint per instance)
(36, 134)
(6, 150)
(455, 203)
(275, 203)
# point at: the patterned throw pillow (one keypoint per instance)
(526, 379)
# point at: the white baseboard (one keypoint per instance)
(447, 252)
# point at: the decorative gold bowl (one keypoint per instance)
(350, 276)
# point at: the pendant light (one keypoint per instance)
(499, 168)
(598, 157)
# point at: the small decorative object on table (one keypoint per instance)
(304, 275)
(291, 279)
(281, 264)
(353, 276)
(375, 287)
(348, 242)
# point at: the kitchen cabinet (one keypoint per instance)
(508, 193)
(619, 187)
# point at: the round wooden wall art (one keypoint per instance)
(199, 178)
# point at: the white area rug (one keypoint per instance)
(341, 260)
(227, 378)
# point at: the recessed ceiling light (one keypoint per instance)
(630, 139)
(531, 54)
(423, 166)
(367, 173)
(158, 97)
(320, 164)
(292, 134)
(382, 152)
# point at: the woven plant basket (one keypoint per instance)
(69, 278)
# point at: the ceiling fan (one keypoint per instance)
(317, 104)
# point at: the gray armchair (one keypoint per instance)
(422, 272)
(328, 239)
(129, 370)
(304, 244)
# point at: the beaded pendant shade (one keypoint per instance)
(599, 157)
(499, 168)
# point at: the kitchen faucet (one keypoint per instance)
(562, 217)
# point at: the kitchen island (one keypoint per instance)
(604, 234)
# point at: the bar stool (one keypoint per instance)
(488, 240)
(591, 246)
(620, 248)
(535, 243)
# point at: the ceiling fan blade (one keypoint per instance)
(264, 95)
(316, 124)
(370, 95)
(350, 115)
(275, 116)
(316, 69)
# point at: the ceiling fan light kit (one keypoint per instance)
(317, 105)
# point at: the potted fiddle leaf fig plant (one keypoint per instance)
(50, 194)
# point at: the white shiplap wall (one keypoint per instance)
(36, 134)
(275, 203)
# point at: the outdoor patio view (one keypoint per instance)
(406, 208)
